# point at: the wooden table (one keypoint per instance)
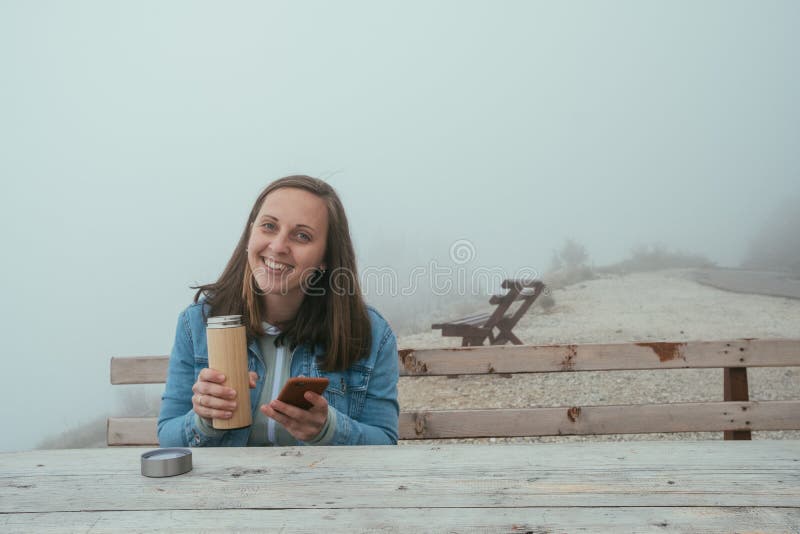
(622, 487)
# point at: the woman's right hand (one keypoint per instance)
(212, 400)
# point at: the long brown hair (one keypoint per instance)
(333, 313)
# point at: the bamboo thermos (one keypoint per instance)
(227, 353)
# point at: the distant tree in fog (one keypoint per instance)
(571, 256)
(569, 265)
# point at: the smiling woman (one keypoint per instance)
(300, 321)
(286, 250)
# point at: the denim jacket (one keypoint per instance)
(364, 395)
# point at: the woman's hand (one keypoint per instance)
(304, 425)
(212, 400)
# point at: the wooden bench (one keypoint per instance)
(475, 329)
(736, 415)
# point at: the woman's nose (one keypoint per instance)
(279, 244)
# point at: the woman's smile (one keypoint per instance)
(277, 267)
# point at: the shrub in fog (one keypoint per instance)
(546, 302)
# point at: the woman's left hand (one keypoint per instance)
(304, 425)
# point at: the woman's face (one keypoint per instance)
(287, 240)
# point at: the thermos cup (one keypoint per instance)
(227, 353)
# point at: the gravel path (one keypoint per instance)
(660, 306)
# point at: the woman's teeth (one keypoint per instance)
(275, 266)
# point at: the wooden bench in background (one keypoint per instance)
(736, 415)
(475, 329)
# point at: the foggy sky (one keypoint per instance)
(134, 137)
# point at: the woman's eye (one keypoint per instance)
(303, 237)
(268, 226)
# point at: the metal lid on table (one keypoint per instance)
(166, 462)
(225, 321)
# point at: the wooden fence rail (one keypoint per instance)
(736, 415)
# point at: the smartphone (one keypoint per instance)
(295, 387)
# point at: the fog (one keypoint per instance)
(135, 136)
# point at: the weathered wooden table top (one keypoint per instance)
(622, 487)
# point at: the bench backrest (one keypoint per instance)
(526, 291)
(497, 325)
(736, 415)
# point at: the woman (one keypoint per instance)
(293, 279)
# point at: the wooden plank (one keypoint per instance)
(735, 389)
(464, 331)
(478, 321)
(543, 358)
(467, 520)
(600, 357)
(674, 474)
(594, 420)
(521, 284)
(528, 302)
(501, 310)
(525, 293)
(132, 431)
(471, 342)
(783, 455)
(512, 295)
(499, 299)
(139, 370)
(470, 319)
(588, 420)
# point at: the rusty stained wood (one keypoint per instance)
(543, 358)
(600, 357)
(595, 420)
(506, 360)
(567, 420)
